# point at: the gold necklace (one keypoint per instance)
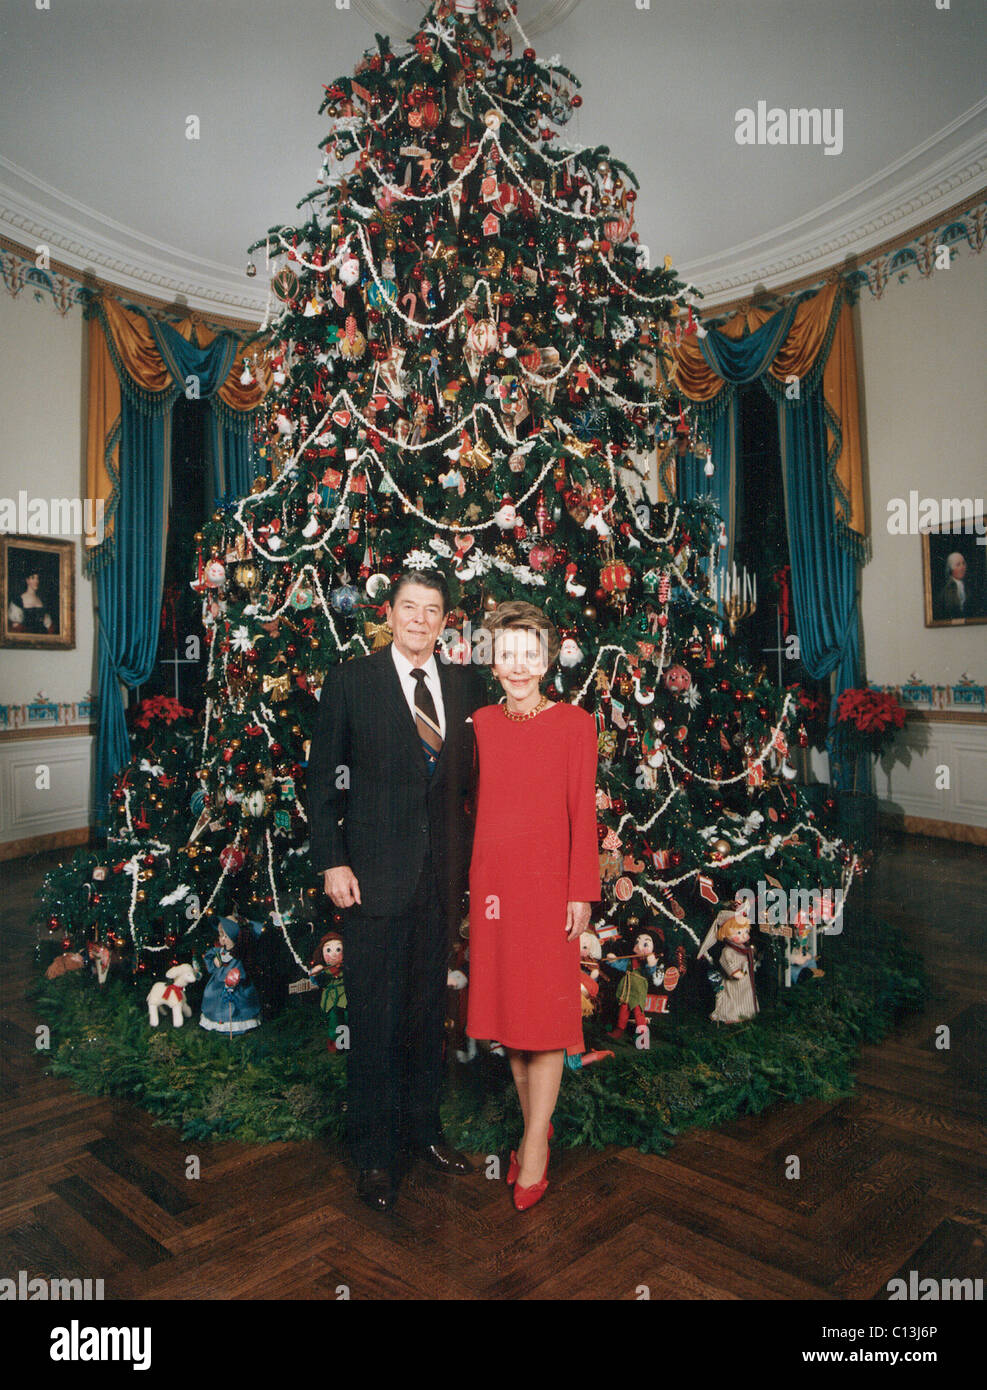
(518, 718)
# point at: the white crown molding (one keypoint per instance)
(913, 189)
(32, 213)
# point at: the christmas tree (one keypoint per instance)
(464, 371)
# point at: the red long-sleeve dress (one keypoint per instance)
(534, 850)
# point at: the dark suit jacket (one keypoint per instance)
(950, 599)
(391, 810)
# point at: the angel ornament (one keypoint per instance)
(736, 998)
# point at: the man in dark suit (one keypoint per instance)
(389, 778)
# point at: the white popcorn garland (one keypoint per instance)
(278, 915)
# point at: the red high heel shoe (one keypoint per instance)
(513, 1168)
(525, 1197)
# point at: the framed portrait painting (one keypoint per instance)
(954, 573)
(37, 592)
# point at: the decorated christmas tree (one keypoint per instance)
(464, 363)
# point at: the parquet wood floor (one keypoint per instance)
(892, 1179)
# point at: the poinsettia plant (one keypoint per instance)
(866, 723)
(159, 707)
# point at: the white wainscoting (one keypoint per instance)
(907, 786)
(929, 752)
(28, 809)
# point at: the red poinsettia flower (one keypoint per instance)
(866, 719)
(160, 707)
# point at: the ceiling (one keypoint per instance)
(94, 97)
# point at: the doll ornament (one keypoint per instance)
(326, 971)
(230, 1003)
(643, 975)
(590, 953)
(736, 998)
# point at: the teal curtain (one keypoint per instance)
(738, 361)
(230, 440)
(724, 487)
(229, 433)
(129, 584)
(824, 570)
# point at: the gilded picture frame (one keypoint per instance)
(37, 592)
(954, 575)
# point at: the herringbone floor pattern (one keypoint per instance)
(892, 1180)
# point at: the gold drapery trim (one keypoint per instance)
(135, 349)
(798, 356)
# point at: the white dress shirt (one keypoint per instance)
(409, 684)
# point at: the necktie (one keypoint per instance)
(426, 719)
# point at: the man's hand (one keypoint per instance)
(576, 920)
(341, 886)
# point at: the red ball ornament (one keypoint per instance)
(677, 679)
(232, 859)
(530, 54)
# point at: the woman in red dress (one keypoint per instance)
(533, 874)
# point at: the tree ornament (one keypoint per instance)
(616, 577)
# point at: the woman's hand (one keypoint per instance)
(576, 920)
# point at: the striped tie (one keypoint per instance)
(426, 719)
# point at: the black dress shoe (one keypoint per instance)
(445, 1159)
(376, 1187)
